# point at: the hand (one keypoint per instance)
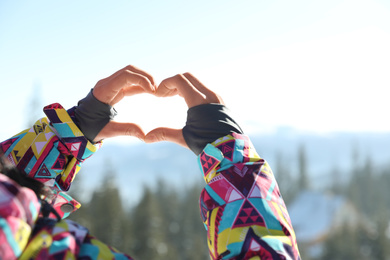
(125, 82)
(193, 92)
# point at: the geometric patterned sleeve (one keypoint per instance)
(66, 239)
(52, 152)
(241, 205)
(19, 208)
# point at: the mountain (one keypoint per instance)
(137, 164)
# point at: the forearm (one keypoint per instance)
(92, 115)
(206, 123)
(241, 205)
(52, 150)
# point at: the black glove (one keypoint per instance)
(92, 115)
(206, 123)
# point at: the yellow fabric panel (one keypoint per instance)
(22, 234)
(92, 148)
(69, 167)
(104, 251)
(40, 241)
(211, 230)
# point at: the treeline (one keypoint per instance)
(368, 190)
(166, 224)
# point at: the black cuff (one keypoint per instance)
(207, 123)
(92, 115)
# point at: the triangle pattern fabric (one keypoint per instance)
(208, 163)
(234, 195)
(49, 135)
(59, 163)
(16, 155)
(39, 146)
(255, 193)
(227, 149)
(254, 246)
(7, 144)
(216, 142)
(43, 172)
(75, 147)
(62, 148)
(241, 176)
(248, 216)
(206, 203)
(38, 129)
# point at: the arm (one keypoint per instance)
(53, 150)
(19, 208)
(23, 234)
(50, 154)
(241, 205)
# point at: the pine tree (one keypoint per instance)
(167, 224)
(34, 108)
(169, 198)
(342, 244)
(147, 219)
(76, 191)
(303, 182)
(106, 212)
(284, 179)
(194, 242)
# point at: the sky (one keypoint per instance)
(317, 66)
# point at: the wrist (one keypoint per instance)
(92, 115)
(206, 123)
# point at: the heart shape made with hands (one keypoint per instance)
(131, 81)
(150, 112)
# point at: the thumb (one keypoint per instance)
(166, 134)
(114, 128)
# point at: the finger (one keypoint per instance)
(166, 89)
(113, 129)
(110, 89)
(133, 69)
(127, 91)
(181, 85)
(128, 78)
(141, 72)
(166, 134)
(107, 89)
(210, 95)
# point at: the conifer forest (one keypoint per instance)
(165, 223)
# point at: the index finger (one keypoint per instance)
(190, 88)
(133, 69)
(181, 85)
(107, 89)
(210, 95)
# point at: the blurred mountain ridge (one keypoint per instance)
(138, 164)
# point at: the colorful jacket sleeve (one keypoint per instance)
(19, 208)
(241, 206)
(51, 152)
(23, 235)
(66, 239)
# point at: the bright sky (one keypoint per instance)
(314, 65)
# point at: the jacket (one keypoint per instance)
(241, 205)
(52, 152)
